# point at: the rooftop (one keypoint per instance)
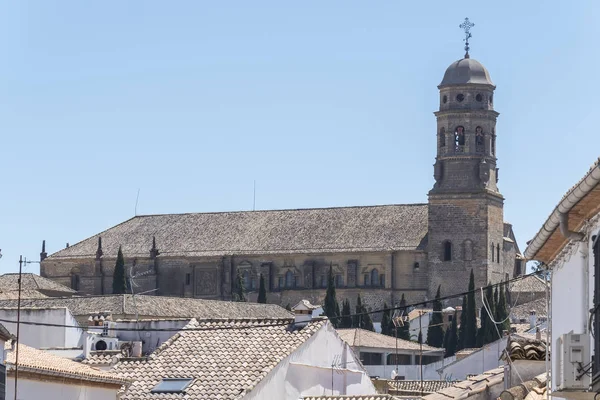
(527, 284)
(470, 386)
(317, 230)
(534, 389)
(44, 363)
(357, 337)
(466, 71)
(10, 283)
(520, 348)
(106, 357)
(353, 397)
(226, 357)
(523, 311)
(155, 306)
(413, 388)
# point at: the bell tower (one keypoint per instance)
(466, 223)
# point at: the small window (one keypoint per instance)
(498, 253)
(339, 280)
(253, 284)
(366, 281)
(382, 280)
(247, 280)
(447, 251)
(75, 282)
(188, 279)
(459, 136)
(479, 140)
(460, 97)
(289, 279)
(280, 282)
(450, 318)
(493, 252)
(479, 98)
(374, 277)
(371, 358)
(443, 137)
(172, 385)
(492, 99)
(445, 99)
(416, 265)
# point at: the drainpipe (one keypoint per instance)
(564, 228)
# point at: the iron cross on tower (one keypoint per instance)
(466, 26)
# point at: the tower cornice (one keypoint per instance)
(466, 113)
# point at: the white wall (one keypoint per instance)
(410, 372)
(414, 326)
(573, 291)
(484, 359)
(35, 390)
(308, 372)
(150, 340)
(44, 336)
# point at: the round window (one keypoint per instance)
(460, 97)
(445, 99)
(479, 98)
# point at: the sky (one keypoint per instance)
(321, 103)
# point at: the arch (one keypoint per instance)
(493, 252)
(493, 142)
(447, 251)
(443, 137)
(75, 278)
(479, 140)
(459, 136)
(289, 279)
(374, 277)
(498, 253)
(247, 279)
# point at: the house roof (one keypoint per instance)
(106, 357)
(523, 311)
(363, 338)
(470, 386)
(155, 306)
(305, 304)
(527, 284)
(413, 388)
(534, 389)
(317, 230)
(520, 348)
(353, 397)
(580, 204)
(44, 363)
(25, 294)
(226, 357)
(10, 282)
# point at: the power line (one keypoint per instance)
(283, 322)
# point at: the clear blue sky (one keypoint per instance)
(323, 103)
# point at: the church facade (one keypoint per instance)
(381, 252)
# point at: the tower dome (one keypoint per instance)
(466, 71)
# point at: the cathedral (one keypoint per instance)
(381, 252)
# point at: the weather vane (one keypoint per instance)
(466, 26)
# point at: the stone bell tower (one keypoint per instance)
(465, 206)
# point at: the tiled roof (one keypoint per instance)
(306, 304)
(106, 357)
(156, 306)
(527, 284)
(353, 397)
(318, 230)
(520, 348)
(536, 386)
(404, 388)
(29, 281)
(25, 294)
(469, 387)
(522, 311)
(418, 311)
(227, 358)
(363, 338)
(42, 362)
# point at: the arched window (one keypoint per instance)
(492, 252)
(447, 250)
(247, 280)
(382, 280)
(374, 277)
(493, 141)
(479, 140)
(459, 138)
(443, 137)
(366, 280)
(289, 279)
(498, 253)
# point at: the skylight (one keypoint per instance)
(172, 385)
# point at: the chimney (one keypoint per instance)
(538, 334)
(532, 319)
(303, 313)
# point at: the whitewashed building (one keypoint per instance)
(567, 244)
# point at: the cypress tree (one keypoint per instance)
(346, 319)
(451, 338)
(387, 327)
(471, 318)
(357, 320)
(119, 281)
(463, 325)
(404, 330)
(362, 320)
(487, 332)
(502, 311)
(262, 291)
(288, 307)
(435, 330)
(239, 293)
(368, 322)
(331, 307)
(420, 338)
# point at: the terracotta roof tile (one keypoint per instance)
(404, 388)
(29, 281)
(469, 387)
(226, 357)
(370, 228)
(25, 294)
(42, 362)
(520, 348)
(353, 397)
(363, 338)
(106, 357)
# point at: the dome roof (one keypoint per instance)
(466, 71)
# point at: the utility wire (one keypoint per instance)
(286, 322)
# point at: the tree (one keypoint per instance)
(345, 319)
(502, 311)
(435, 330)
(471, 318)
(387, 327)
(357, 318)
(362, 319)
(239, 293)
(451, 338)
(487, 333)
(330, 307)
(288, 307)
(404, 330)
(463, 325)
(420, 338)
(119, 280)
(262, 291)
